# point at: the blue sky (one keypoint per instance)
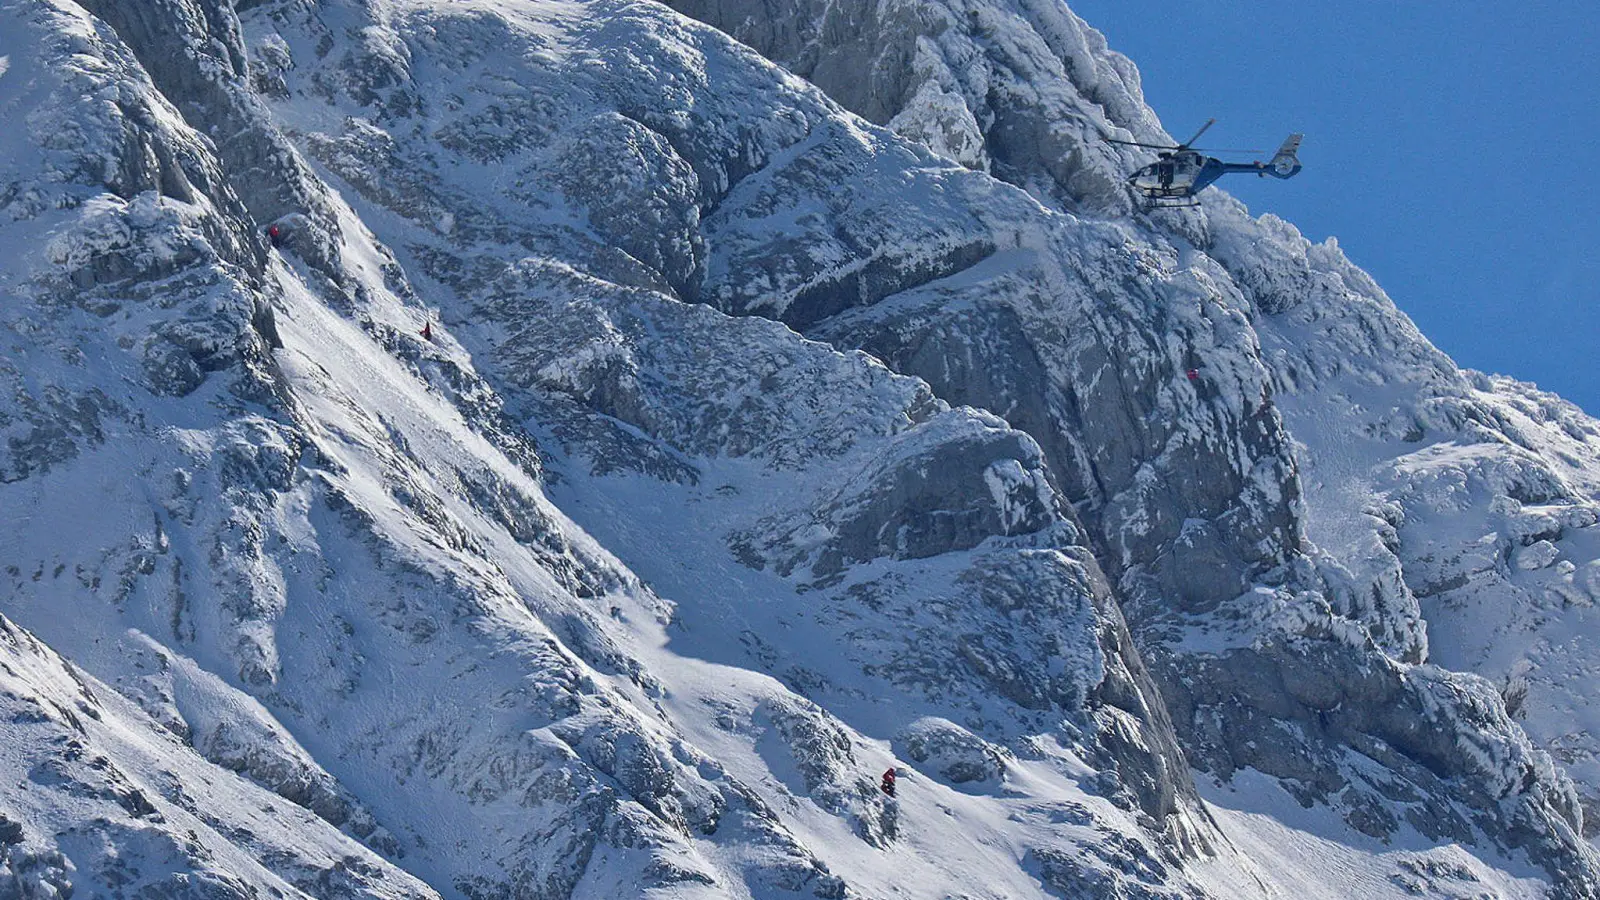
(1452, 148)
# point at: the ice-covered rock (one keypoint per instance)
(956, 754)
(749, 449)
(112, 804)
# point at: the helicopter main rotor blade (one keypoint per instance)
(1224, 150)
(1140, 144)
(1208, 124)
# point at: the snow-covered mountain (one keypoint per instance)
(650, 424)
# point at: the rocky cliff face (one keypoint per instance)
(755, 446)
(1211, 491)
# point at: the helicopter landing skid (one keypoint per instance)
(1151, 204)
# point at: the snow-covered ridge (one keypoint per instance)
(752, 449)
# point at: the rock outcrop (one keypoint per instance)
(641, 435)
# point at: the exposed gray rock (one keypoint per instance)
(945, 487)
(957, 755)
(1028, 104)
(1184, 523)
(888, 480)
(831, 774)
(206, 81)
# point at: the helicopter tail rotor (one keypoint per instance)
(1285, 163)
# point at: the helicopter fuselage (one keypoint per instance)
(1176, 175)
(1181, 173)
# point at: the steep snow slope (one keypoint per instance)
(111, 801)
(1032, 91)
(1467, 501)
(668, 651)
(642, 362)
(342, 560)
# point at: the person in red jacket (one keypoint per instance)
(888, 781)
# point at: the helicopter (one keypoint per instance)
(1180, 173)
